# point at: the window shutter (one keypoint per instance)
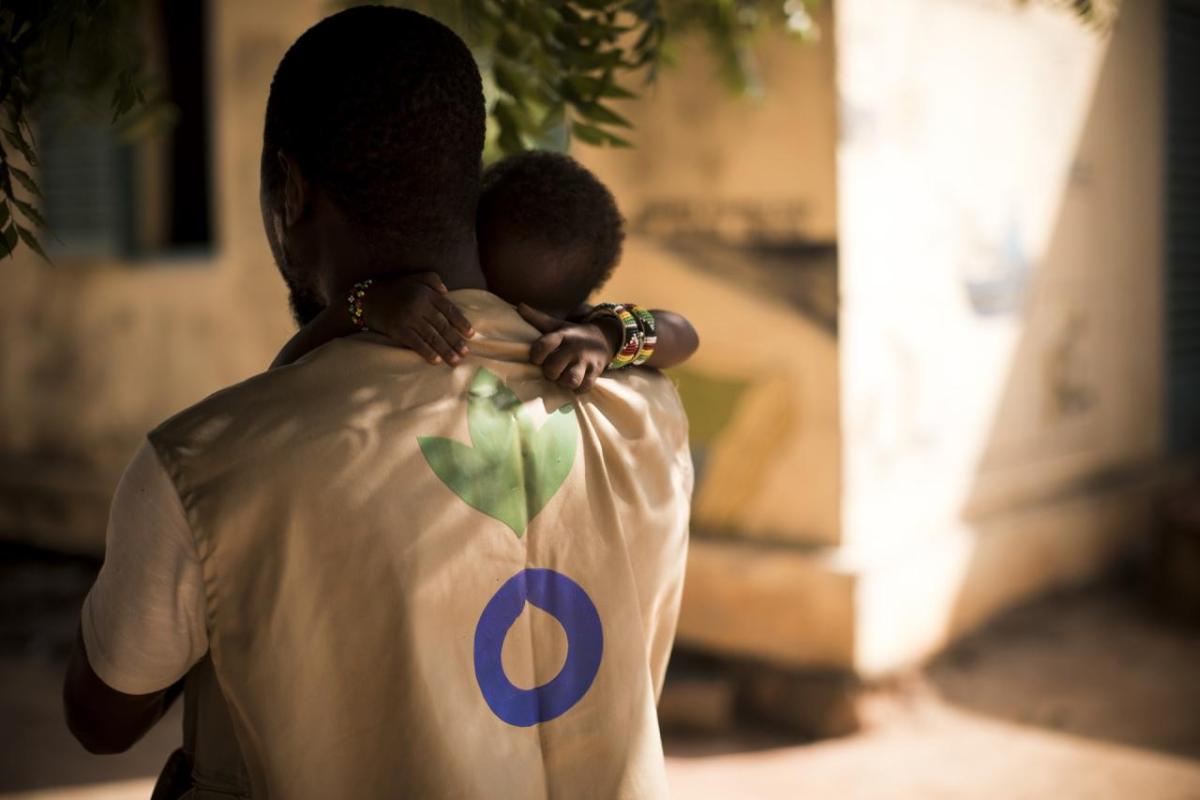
(1183, 227)
(85, 180)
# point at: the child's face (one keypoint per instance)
(524, 271)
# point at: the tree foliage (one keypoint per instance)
(554, 67)
(90, 49)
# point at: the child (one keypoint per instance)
(549, 236)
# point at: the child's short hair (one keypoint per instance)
(550, 198)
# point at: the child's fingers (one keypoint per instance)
(557, 363)
(434, 338)
(455, 315)
(413, 342)
(540, 350)
(572, 377)
(589, 379)
(448, 332)
(432, 280)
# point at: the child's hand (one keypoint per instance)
(573, 355)
(413, 310)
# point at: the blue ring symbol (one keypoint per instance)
(566, 601)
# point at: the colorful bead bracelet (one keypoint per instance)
(358, 293)
(638, 333)
(649, 334)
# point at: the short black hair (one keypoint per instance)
(383, 109)
(551, 198)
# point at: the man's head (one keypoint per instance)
(373, 137)
(549, 231)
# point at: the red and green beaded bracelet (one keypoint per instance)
(631, 333)
(649, 330)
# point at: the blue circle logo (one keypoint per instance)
(566, 601)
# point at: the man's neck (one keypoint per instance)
(456, 264)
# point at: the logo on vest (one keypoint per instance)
(511, 469)
(566, 601)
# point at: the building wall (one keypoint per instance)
(972, 426)
(999, 357)
(723, 194)
(1000, 188)
(94, 354)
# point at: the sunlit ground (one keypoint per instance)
(1085, 695)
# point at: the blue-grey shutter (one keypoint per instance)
(85, 178)
(1183, 226)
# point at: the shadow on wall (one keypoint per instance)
(1072, 443)
(1063, 483)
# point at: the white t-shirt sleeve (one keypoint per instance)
(143, 621)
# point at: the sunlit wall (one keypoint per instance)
(1000, 188)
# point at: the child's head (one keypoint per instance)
(549, 232)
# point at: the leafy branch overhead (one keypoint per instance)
(87, 49)
(554, 68)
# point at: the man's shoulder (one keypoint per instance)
(641, 401)
(319, 385)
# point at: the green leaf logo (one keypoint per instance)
(511, 469)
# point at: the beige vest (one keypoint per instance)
(424, 582)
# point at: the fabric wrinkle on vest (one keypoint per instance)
(430, 582)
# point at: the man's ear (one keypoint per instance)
(295, 190)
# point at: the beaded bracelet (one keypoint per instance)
(649, 331)
(355, 300)
(631, 332)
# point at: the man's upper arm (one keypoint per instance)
(143, 622)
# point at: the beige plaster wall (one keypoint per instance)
(697, 142)
(94, 354)
(1000, 181)
(1000, 184)
(774, 472)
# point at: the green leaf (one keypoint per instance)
(588, 88)
(31, 240)
(18, 141)
(510, 79)
(509, 113)
(491, 415)
(25, 180)
(127, 94)
(616, 141)
(547, 455)
(590, 134)
(598, 113)
(29, 212)
(8, 239)
(4, 214)
(512, 469)
(492, 488)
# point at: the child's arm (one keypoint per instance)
(575, 354)
(411, 310)
(677, 340)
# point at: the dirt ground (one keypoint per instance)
(1086, 694)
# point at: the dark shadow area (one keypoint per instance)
(743, 739)
(1064, 481)
(1098, 662)
(40, 597)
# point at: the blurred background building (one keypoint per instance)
(945, 272)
